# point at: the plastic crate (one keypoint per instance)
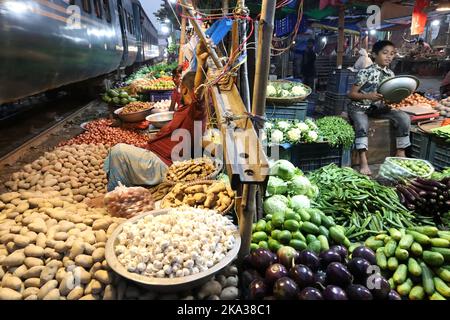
(294, 112)
(341, 81)
(420, 144)
(156, 96)
(439, 154)
(335, 104)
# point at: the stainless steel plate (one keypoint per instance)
(159, 120)
(395, 89)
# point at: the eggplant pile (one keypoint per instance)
(305, 275)
(416, 261)
(428, 198)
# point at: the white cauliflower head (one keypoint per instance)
(298, 91)
(276, 136)
(294, 135)
(313, 136)
(302, 126)
(271, 91)
(284, 125)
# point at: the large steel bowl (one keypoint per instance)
(395, 89)
(159, 120)
(133, 117)
(165, 285)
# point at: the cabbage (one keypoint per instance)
(284, 169)
(276, 186)
(300, 185)
(313, 192)
(300, 202)
(276, 203)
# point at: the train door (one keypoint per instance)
(123, 29)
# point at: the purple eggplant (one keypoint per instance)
(302, 275)
(329, 256)
(358, 292)
(309, 259)
(343, 252)
(358, 267)
(379, 287)
(261, 259)
(310, 293)
(275, 272)
(247, 262)
(285, 289)
(287, 256)
(334, 293)
(393, 295)
(365, 253)
(338, 274)
(257, 289)
(320, 279)
(248, 276)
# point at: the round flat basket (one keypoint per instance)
(289, 100)
(211, 176)
(135, 116)
(165, 285)
(200, 182)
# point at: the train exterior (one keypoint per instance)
(47, 44)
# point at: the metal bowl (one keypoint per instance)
(133, 117)
(156, 110)
(159, 120)
(165, 284)
(395, 89)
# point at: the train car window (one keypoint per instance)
(98, 8)
(87, 6)
(107, 10)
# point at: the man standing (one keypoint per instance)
(309, 64)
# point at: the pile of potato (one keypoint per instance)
(75, 170)
(216, 195)
(190, 170)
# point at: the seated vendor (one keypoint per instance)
(367, 102)
(136, 166)
(176, 95)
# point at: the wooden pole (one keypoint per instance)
(341, 38)
(263, 57)
(182, 37)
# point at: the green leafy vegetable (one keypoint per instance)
(336, 131)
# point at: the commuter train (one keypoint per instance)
(48, 44)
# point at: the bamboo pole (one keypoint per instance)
(263, 57)
(246, 214)
(182, 37)
(341, 38)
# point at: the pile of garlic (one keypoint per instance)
(177, 244)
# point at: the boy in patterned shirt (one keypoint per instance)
(367, 102)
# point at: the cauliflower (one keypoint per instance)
(285, 93)
(277, 136)
(311, 124)
(313, 136)
(268, 125)
(294, 135)
(298, 91)
(284, 125)
(302, 126)
(271, 91)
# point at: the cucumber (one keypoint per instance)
(389, 248)
(401, 254)
(323, 242)
(427, 279)
(284, 237)
(406, 241)
(400, 274)
(444, 274)
(437, 296)
(381, 258)
(310, 238)
(441, 243)
(304, 215)
(405, 288)
(297, 244)
(253, 227)
(443, 235)
(441, 287)
(414, 267)
(268, 217)
(275, 233)
(419, 237)
(395, 234)
(269, 227)
(291, 216)
(373, 244)
(263, 244)
(315, 246)
(434, 259)
(353, 246)
(315, 217)
(338, 236)
(278, 219)
(253, 246)
(391, 283)
(327, 222)
(417, 293)
(444, 251)
(259, 236)
(291, 225)
(381, 236)
(324, 231)
(310, 228)
(274, 245)
(387, 239)
(416, 249)
(297, 235)
(261, 225)
(427, 230)
(392, 263)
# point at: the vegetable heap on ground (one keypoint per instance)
(415, 260)
(155, 71)
(280, 131)
(336, 131)
(360, 204)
